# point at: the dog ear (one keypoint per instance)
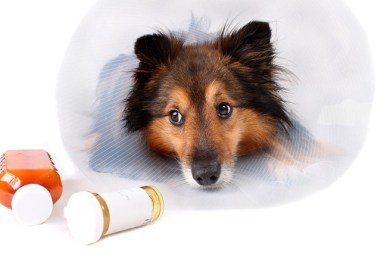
(248, 43)
(251, 47)
(153, 51)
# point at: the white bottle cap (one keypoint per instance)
(32, 204)
(84, 217)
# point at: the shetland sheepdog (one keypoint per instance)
(206, 104)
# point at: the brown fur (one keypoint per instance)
(194, 81)
(245, 133)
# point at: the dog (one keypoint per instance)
(206, 104)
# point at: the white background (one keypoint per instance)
(345, 218)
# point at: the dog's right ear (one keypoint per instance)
(153, 51)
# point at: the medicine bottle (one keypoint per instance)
(29, 185)
(91, 216)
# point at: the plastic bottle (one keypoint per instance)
(29, 185)
(91, 216)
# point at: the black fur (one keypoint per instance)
(246, 65)
(152, 51)
(257, 74)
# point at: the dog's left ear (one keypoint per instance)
(242, 44)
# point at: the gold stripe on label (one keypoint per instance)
(157, 201)
(105, 210)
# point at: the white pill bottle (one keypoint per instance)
(91, 216)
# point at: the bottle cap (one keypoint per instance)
(32, 204)
(84, 217)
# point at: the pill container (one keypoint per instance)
(29, 184)
(91, 215)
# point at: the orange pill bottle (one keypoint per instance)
(29, 184)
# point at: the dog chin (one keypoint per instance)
(224, 179)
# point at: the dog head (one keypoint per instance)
(206, 104)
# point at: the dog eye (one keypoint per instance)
(224, 110)
(176, 118)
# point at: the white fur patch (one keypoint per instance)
(225, 177)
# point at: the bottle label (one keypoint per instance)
(128, 208)
(12, 180)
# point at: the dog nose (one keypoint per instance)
(206, 173)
